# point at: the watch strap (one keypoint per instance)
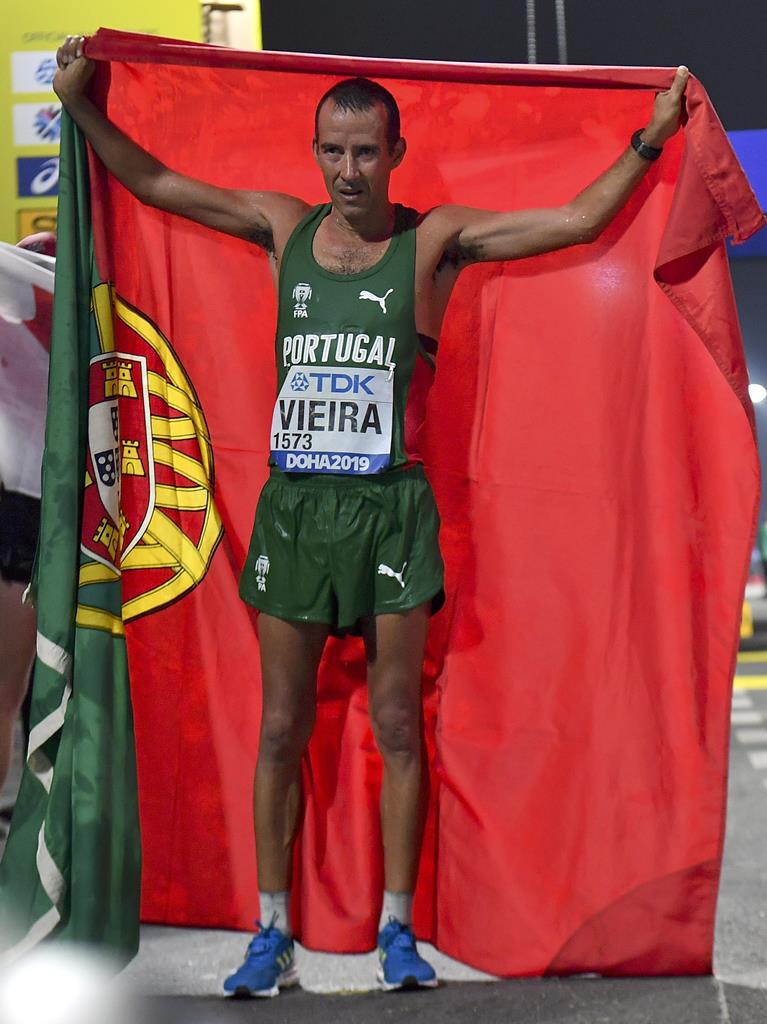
(645, 151)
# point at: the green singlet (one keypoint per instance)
(346, 525)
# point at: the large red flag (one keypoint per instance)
(591, 445)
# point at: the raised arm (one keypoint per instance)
(265, 218)
(482, 235)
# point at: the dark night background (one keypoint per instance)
(720, 41)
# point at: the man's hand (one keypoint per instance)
(71, 80)
(667, 112)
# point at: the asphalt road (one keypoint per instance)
(555, 1001)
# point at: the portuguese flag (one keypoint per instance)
(591, 446)
(72, 863)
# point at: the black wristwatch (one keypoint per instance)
(645, 151)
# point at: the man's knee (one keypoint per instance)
(285, 733)
(396, 725)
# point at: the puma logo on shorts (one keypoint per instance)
(327, 549)
(386, 570)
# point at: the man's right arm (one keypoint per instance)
(265, 218)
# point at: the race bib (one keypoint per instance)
(333, 419)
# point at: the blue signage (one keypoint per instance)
(751, 149)
(37, 175)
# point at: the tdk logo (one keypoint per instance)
(334, 383)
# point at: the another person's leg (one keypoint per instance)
(395, 648)
(290, 656)
(17, 651)
(19, 528)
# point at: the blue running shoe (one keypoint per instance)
(269, 966)
(400, 965)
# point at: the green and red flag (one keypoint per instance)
(74, 848)
(591, 446)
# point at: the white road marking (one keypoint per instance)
(746, 718)
(758, 758)
(751, 735)
(724, 1010)
(741, 700)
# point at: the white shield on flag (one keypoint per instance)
(120, 457)
(104, 444)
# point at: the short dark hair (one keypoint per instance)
(362, 94)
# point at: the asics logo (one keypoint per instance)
(386, 570)
(381, 300)
(46, 179)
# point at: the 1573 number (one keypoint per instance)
(293, 442)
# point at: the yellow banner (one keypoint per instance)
(29, 109)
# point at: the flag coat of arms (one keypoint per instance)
(591, 446)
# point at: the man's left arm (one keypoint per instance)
(483, 235)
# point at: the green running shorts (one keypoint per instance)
(338, 549)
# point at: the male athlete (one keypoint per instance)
(345, 535)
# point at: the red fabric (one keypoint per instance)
(591, 445)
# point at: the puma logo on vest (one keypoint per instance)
(386, 570)
(375, 298)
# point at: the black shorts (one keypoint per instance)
(19, 530)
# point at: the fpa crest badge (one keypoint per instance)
(149, 517)
(301, 293)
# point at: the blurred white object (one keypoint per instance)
(56, 984)
(20, 270)
(757, 393)
(26, 287)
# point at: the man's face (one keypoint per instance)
(353, 154)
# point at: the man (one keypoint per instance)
(345, 535)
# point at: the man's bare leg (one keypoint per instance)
(395, 648)
(17, 651)
(290, 656)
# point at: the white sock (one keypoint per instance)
(398, 905)
(275, 909)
